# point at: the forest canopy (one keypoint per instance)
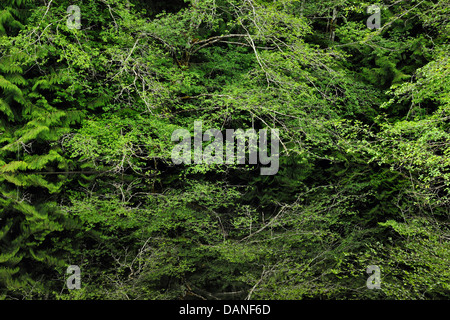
(95, 95)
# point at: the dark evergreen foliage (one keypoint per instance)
(87, 179)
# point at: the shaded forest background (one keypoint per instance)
(85, 149)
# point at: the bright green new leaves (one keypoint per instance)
(364, 153)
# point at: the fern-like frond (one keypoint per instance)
(5, 108)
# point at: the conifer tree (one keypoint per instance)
(30, 126)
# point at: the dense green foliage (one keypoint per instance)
(87, 179)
